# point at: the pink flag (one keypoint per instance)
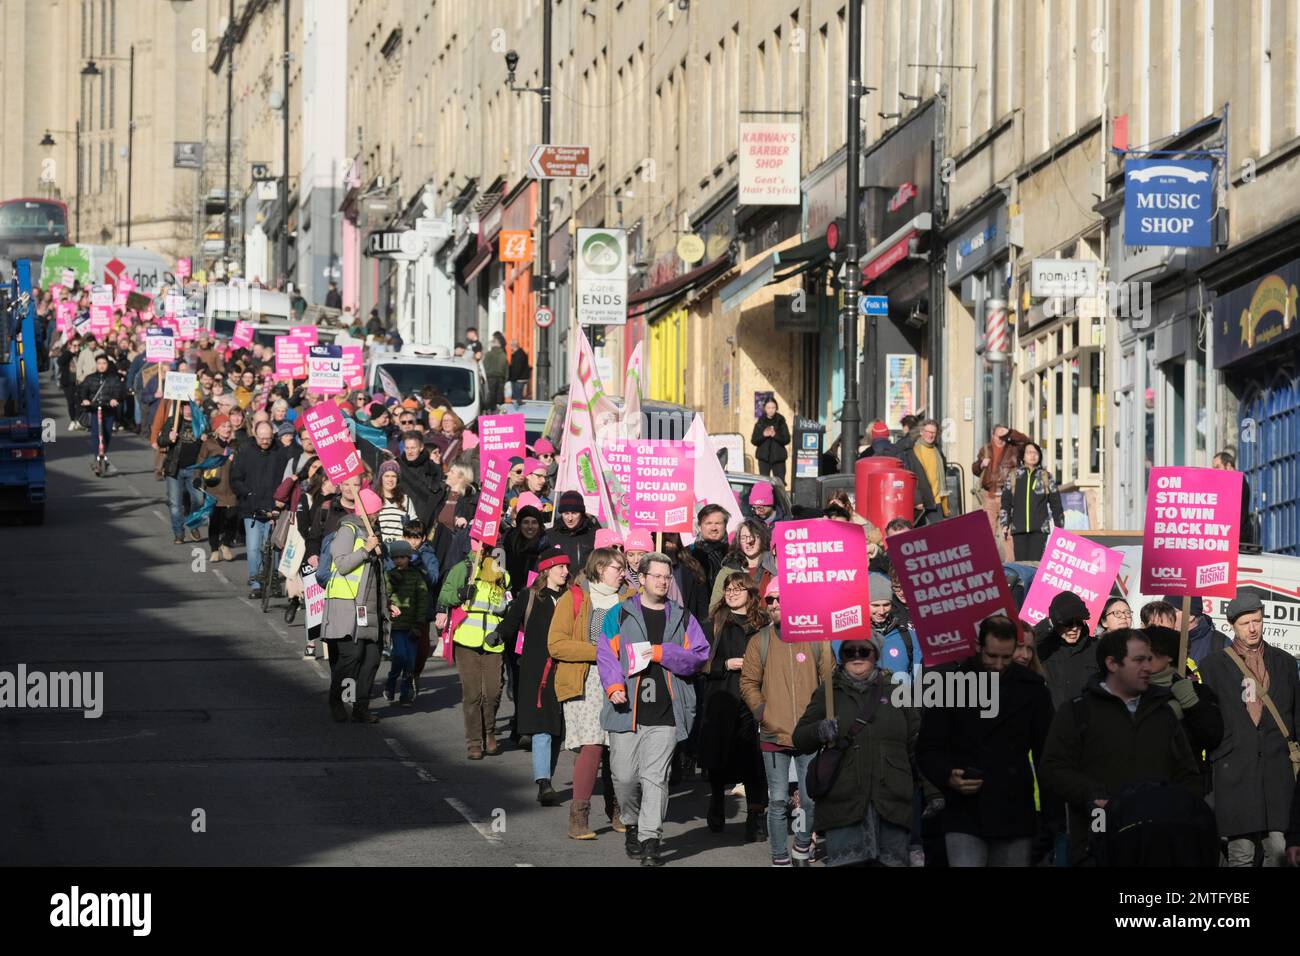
(632, 393)
(591, 417)
(711, 485)
(824, 595)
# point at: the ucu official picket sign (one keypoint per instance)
(821, 565)
(1169, 202)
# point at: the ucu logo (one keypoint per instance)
(1175, 573)
(941, 640)
(804, 619)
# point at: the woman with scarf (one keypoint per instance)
(448, 438)
(751, 552)
(867, 813)
(223, 522)
(1031, 506)
(398, 506)
(450, 531)
(728, 744)
(537, 710)
(576, 624)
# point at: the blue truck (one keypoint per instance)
(22, 451)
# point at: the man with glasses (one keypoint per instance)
(544, 452)
(925, 460)
(777, 680)
(995, 461)
(649, 649)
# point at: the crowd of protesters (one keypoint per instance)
(645, 657)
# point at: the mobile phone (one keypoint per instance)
(973, 773)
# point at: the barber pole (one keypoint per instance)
(995, 330)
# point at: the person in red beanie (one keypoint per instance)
(880, 443)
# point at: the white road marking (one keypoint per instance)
(159, 515)
(404, 758)
(472, 818)
(221, 577)
(104, 740)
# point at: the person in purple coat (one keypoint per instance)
(646, 655)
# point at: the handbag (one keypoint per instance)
(825, 765)
(1293, 748)
(280, 534)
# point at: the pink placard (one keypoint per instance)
(952, 579)
(487, 517)
(101, 317)
(501, 435)
(125, 285)
(243, 337)
(64, 315)
(329, 431)
(822, 567)
(1192, 530)
(662, 492)
(290, 357)
(182, 269)
(159, 344)
(354, 371)
(304, 333)
(1076, 565)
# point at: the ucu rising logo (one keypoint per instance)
(845, 619)
(1175, 574)
(804, 620)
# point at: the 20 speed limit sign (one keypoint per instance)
(544, 317)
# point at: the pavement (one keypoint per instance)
(215, 745)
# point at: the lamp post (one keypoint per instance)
(47, 141)
(91, 69)
(543, 357)
(850, 418)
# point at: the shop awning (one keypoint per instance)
(666, 294)
(745, 285)
(885, 255)
(476, 264)
(777, 267)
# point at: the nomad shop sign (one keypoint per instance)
(1169, 202)
(1257, 316)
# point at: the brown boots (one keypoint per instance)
(579, 810)
(614, 815)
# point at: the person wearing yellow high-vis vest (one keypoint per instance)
(355, 606)
(480, 588)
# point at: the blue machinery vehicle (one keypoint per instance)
(22, 455)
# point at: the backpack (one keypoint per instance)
(325, 569)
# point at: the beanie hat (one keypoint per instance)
(529, 500)
(1067, 607)
(284, 428)
(386, 467)
(638, 539)
(880, 588)
(571, 501)
(544, 447)
(528, 511)
(376, 410)
(761, 494)
(608, 538)
(531, 465)
(879, 430)
(400, 549)
(219, 421)
(551, 557)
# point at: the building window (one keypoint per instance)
(112, 27)
(112, 98)
(103, 26)
(1061, 388)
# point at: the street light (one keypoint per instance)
(47, 141)
(92, 69)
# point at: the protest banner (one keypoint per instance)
(68, 277)
(487, 516)
(243, 336)
(174, 303)
(65, 313)
(325, 369)
(125, 284)
(334, 447)
(662, 488)
(821, 566)
(290, 357)
(179, 386)
(501, 435)
(1193, 526)
(354, 366)
(187, 326)
(1075, 565)
(182, 269)
(159, 344)
(56, 292)
(952, 579)
(304, 333)
(313, 596)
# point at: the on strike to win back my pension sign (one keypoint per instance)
(1192, 532)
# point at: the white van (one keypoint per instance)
(93, 265)
(1274, 577)
(417, 366)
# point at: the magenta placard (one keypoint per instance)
(952, 579)
(338, 455)
(304, 333)
(663, 485)
(1192, 530)
(487, 517)
(1072, 564)
(290, 357)
(822, 567)
(501, 435)
(354, 371)
(243, 337)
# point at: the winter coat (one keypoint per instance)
(1030, 502)
(340, 621)
(222, 491)
(254, 477)
(876, 766)
(577, 543)
(521, 557)
(1096, 748)
(1069, 666)
(994, 479)
(693, 593)
(957, 738)
(519, 370)
(924, 494)
(102, 388)
(568, 643)
(537, 707)
(778, 691)
(183, 452)
(728, 740)
(1251, 767)
(684, 652)
(710, 555)
(495, 363)
(408, 591)
(766, 571)
(771, 450)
